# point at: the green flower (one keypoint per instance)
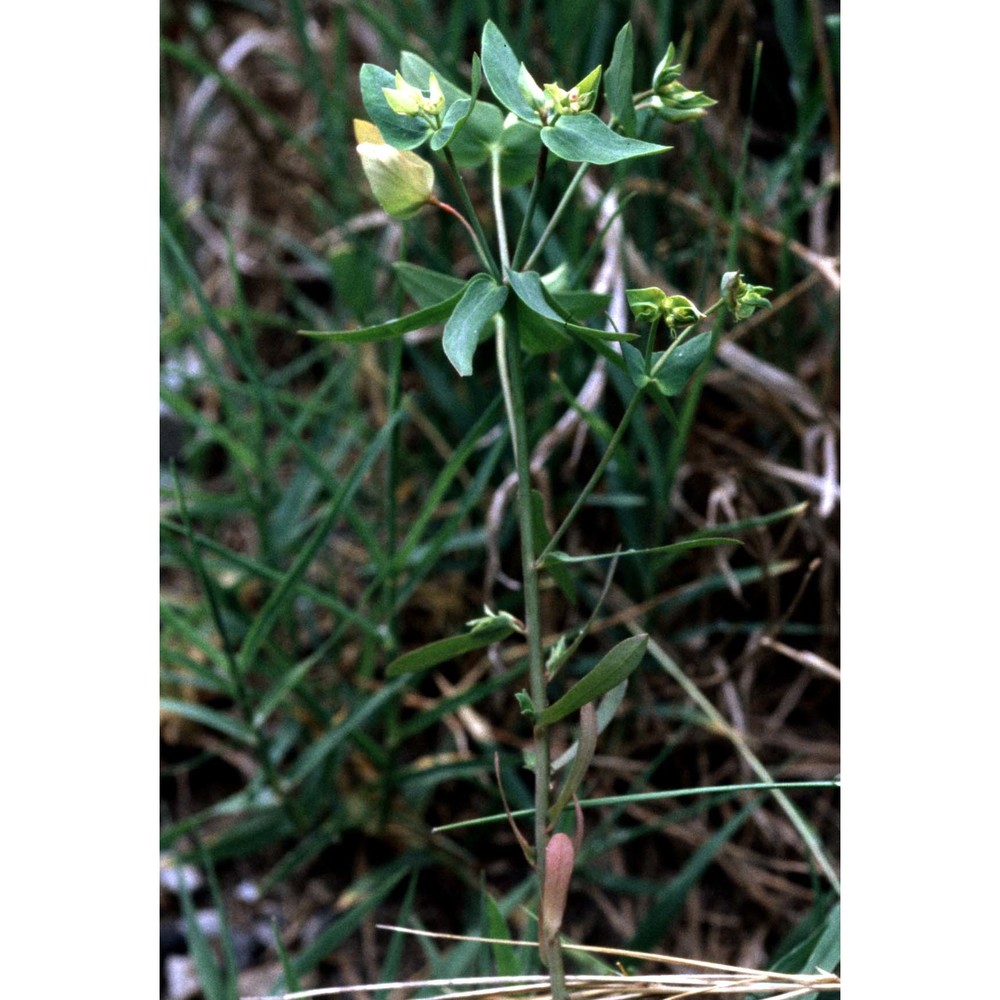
(577, 99)
(405, 99)
(552, 99)
(650, 304)
(401, 181)
(743, 300)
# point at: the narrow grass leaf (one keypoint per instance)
(504, 957)
(210, 718)
(613, 668)
(436, 494)
(209, 974)
(481, 300)
(664, 909)
(692, 543)
(437, 313)
(370, 890)
(276, 603)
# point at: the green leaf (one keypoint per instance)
(209, 717)
(424, 286)
(394, 327)
(417, 70)
(459, 113)
(528, 287)
(502, 67)
(667, 904)
(484, 129)
(609, 672)
(496, 926)
(579, 304)
(519, 145)
(618, 80)
(585, 138)
(560, 574)
(484, 632)
(397, 130)
(539, 335)
(636, 364)
(682, 362)
(597, 334)
(482, 299)
(563, 558)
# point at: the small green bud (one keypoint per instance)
(525, 704)
(677, 104)
(667, 70)
(401, 181)
(405, 99)
(741, 299)
(434, 103)
(671, 99)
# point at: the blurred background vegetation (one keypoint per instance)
(324, 508)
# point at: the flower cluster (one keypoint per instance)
(551, 99)
(671, 99)
(405, 99)
(651, 304)
(742, 300)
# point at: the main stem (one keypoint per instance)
(511, 377)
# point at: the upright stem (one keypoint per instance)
(470, 211)
(512, 381)
(522, 240)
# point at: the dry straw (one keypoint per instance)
(715, 980)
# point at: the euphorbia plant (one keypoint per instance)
(528, 314)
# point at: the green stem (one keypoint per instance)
(512, 382)
(557, 214)
(498, 210)
(536, 186)
(617, 436)
(470, 212)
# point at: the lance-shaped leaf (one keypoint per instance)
(609, 672)
(481, 300)
(618, 80)
(484, 632)
(502, 68)
(557, 558)
(398, 130)
(585, 138)
(437, 313)
(585, 745)
(427, 287)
